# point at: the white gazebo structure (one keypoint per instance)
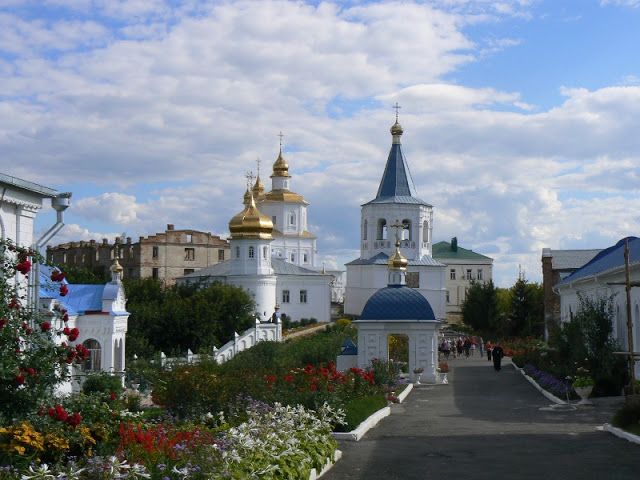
(399, 310)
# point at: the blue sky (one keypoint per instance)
(520, 116)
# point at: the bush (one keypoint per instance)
(359, 409)
(628, 415)
(102, 383)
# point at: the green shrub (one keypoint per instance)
(628, 415)
(102, 383)
(359, 409)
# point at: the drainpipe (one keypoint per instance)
(60, 203)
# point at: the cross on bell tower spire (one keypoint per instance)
(397, 107)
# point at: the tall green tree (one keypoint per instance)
(526, 317)
(176, 318)
(480, 307)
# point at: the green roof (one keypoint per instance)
(442, 250)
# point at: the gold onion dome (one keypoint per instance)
(280, 166)
(247, 198)
(397, 261)
(116, 267)
(258, 188)
(250, 222)
(396, 129)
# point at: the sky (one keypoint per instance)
(521, 117)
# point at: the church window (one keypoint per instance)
(305, 258)
(469, 276)
(406, 229)
(221, 255)
(64, 258)
(84, 258)
(252, 252)
(189, 238)
(292, 218)
(93, 362)
(187, 271)
(303, 296)
(425, 231)
(447, 295)
(189, 254)
(265, 252)
(293, 258)
(154, 273)
(452, 274)
(480, 274)
(285, 296)
(154, 252)
(97, 255)
(365, 227)
(382, 229)
(237, 252)
(413, 279)
(273, 220)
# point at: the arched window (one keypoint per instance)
(237, 252)
(292, 218)
(365, 227)
(425, 231)
(252, 252)
(92, 363)
(406, 229)
(265, 252)
(382, 229)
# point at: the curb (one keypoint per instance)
(313, 475)
(405, 392)
(618, 432)
(364, 427)
(550, 396)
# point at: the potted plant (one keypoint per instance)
(583, 385)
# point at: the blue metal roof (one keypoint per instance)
(348, 348)
(80, 299)
(397, 303)
(607, 259)
(396, 185)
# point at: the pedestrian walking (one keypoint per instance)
(481, 345)
(489, 347)
(497, 353)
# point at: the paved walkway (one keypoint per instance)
(488, 425)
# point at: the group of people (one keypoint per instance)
(466, 347)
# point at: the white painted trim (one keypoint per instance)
(618, 432)
(337, 455)
(550, 396)
(405, 393)
(364, 427)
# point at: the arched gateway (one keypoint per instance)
(399, 310)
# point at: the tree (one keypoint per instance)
(480, 307)
(176, 318)
(526, 317)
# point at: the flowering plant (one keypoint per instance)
(582, 379)
(443, 367)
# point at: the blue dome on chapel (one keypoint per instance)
(397, 302)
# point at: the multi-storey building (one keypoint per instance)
(463, 267)
(164, 256)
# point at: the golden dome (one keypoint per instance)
(258, 188)
(397, 261)
(396, 129)
(251, 223)
(247, 198)
(284, 196)
(280, 167)
(116, 267)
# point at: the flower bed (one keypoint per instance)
(550, 383)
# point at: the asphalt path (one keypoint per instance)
(488, 425)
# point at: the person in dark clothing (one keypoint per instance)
(497, 353)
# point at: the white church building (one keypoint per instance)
(398, 206)
(273, 253)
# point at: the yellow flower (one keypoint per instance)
(57, 442)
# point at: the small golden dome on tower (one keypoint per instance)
(397, 261)
(247, 198)
(258, 188)
(280, 167)
(250, 222)
(396, 129)
(116, 267)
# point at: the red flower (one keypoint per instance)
(74, 419)
(31, 371)
(14, 303)
(313, 387)
(45, 326)
(57, 276)
(288, 378)
(63, 290)
(3, 322)
(24, 266)
(113, 396)
(65, 317)
(19, 379)
(66, 330)
(270, 379)
(73, 334)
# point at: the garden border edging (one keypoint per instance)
(405, 392)
(337, 455)
(618, 432)
(549, 395)
(364, 427)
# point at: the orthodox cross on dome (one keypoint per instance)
(258, 164)
(398, 226)
(249, 176)
(397, 107)
(281, 137)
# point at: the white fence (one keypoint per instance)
(260, 333)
